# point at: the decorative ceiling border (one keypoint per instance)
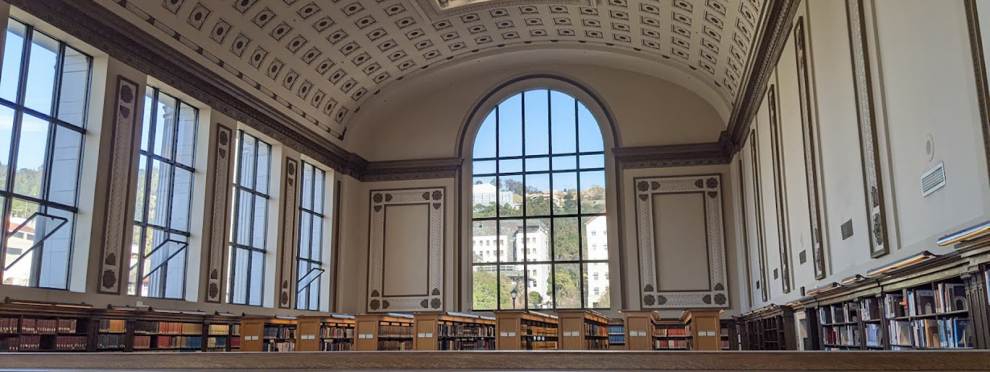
(768, 49)
(672, 155)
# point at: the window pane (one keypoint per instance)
(245, 177)
(158, 193)
(594, 238)
(31, 156)
(257, 277)
(537, 164)
(510, 195)
(537, 128)
(589, 133)
(565, 238)
(40, 86)
(483, 287)
(484, 143)
(511, 287)
(66, 154)
(12, 54)
(483, 167)
(75, 87)
(593, 192)
(562, 123)
(565, 193)
(316, 244)
(538, 239)
(306, 197)
(6, 131)
(510, 166)
(483, 194)
(135, 259)
(564, 162)
(510, 240)
(141, 194)
(260, 222)
(538, 287)
(245, 209)
(567, 282)
(240, 274)
(592, 161)
(181, 199)
(538, 194)
(165, 118)
(484, 243)
(185, 147)
(146, 121)
(510, 127)
(264, 167)
(596, 286)
(54, 232)
(305, 223)
(319, 190)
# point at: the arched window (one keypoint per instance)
(538, 195)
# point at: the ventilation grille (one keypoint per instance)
(933, 180)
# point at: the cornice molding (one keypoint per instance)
(410, 169)
(779, 18)
(672, 155)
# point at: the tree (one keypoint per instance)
(568, 291)
(535, 299)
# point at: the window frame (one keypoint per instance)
(325, 249)
(8, 191)
(233, 246)
(581, 262)
(151, 157)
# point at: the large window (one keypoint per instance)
(164, 194)
(311, 238)
(249, 226)
(44, 91)
(539, 229)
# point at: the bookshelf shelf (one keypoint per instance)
(583, 330)
(326, 333)
(385, 332)
(454, 331)
(526, 330)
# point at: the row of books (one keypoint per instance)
(168, 342)
(670, 332)
(337, 332)
(931, 333)
(113, 326)
(595, 330)
(278, 346)
(874, 335)
(846, 312)
(280, 332)
(670, 344)
(539, 344)
(465, 330)
(950, 297)
(111, 341)
(395, 345)
(220, 329)
(21, 343)
(395, 331)
(870, 309)
(596, 344)
(221, 342)
(37, 326)
(539, 331)
(944, 298)
(168, 328)
(337, 345)
(467, 344)
(846, 335)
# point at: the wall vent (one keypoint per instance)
(847, 229)
(933, 179)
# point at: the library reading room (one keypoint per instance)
(510, 185)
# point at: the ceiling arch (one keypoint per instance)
(320, 61)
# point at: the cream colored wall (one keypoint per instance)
(430, 110)
(924, 89)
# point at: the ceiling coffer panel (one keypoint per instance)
(319, 60)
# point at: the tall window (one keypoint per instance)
(44, 91)
(311, 241)
(249, 227)
(539, 231)
(164, 194)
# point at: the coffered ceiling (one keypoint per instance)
(318, 61)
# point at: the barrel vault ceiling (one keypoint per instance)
(318, 61)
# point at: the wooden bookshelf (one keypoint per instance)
(703, 328)
(44, 327)
(728, 339)
(162, 331)
(386, 332)
(616, 334)
(326, 333)
(843, 325)
(929, 316)
(268, 334)
(583, 330)
(768, 328)
(639, 329)
(526, 330)
(671, 334)
(454, 331)
(222, 333)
